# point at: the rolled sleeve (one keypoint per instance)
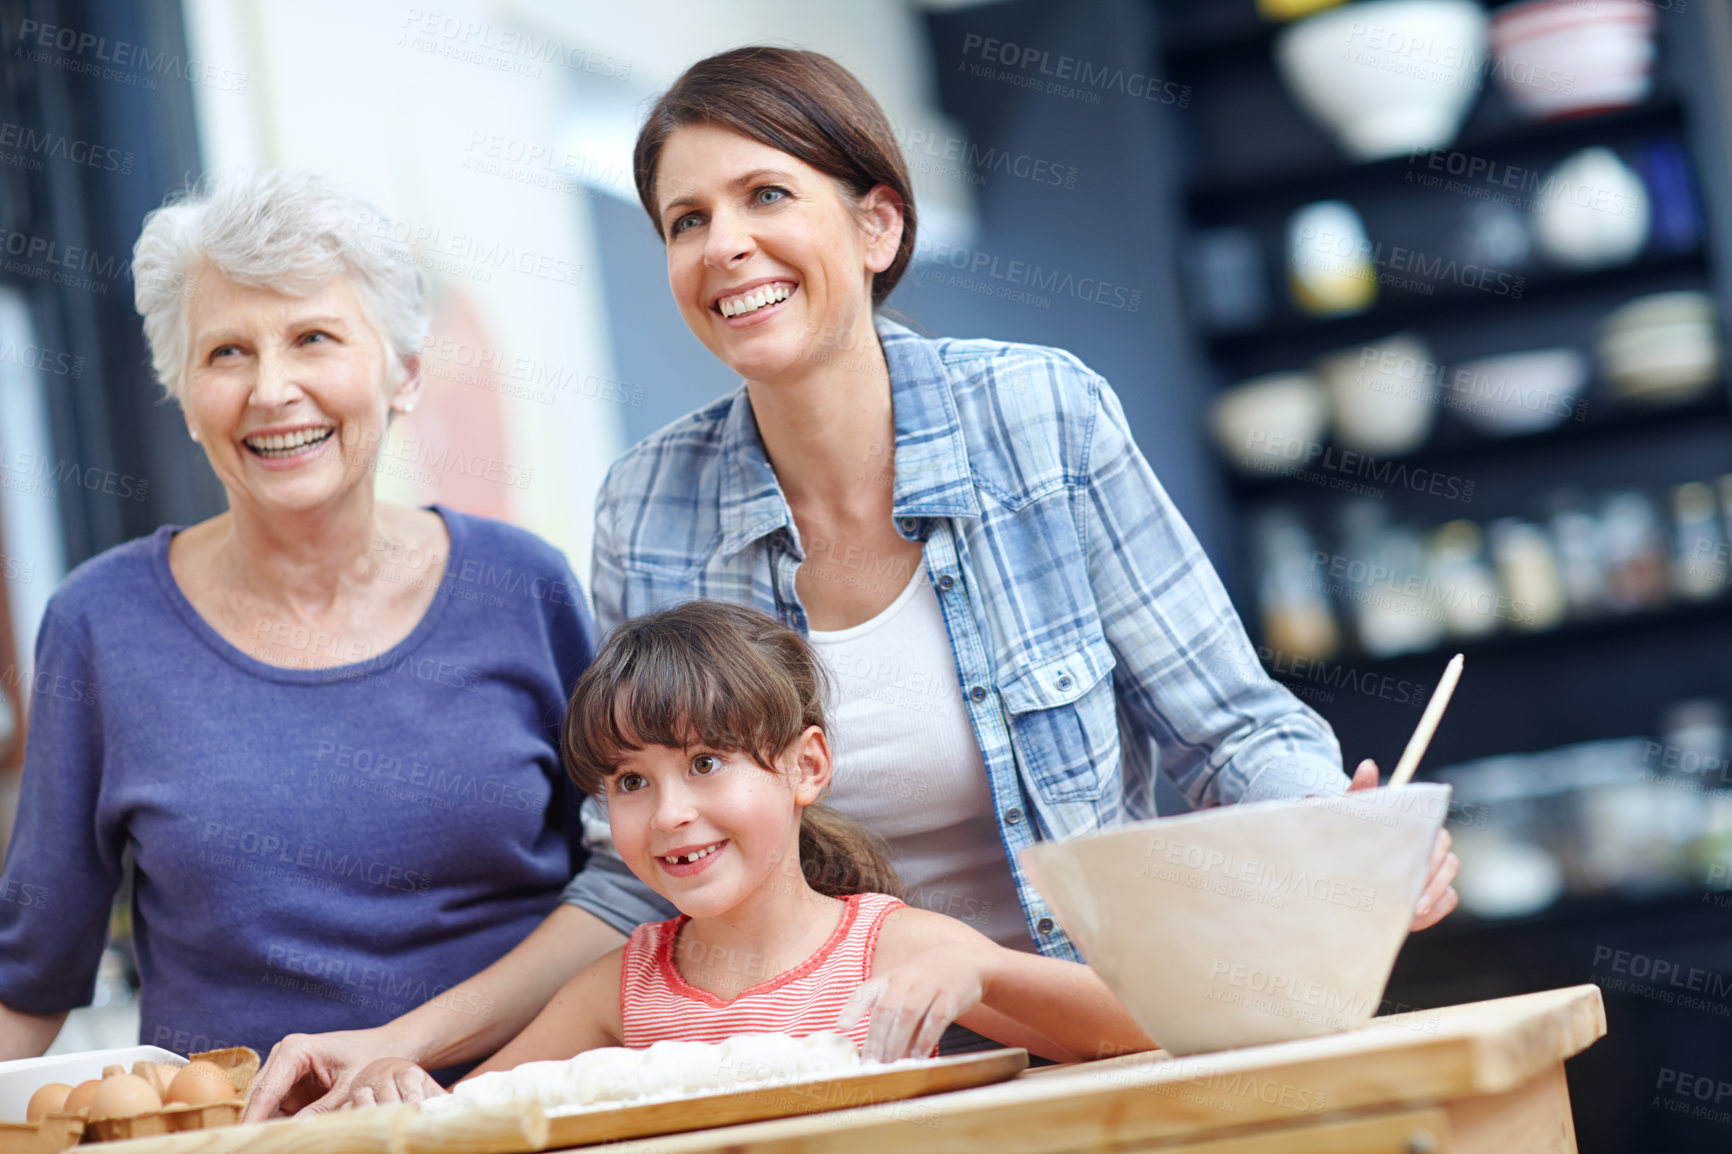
(1188, 678)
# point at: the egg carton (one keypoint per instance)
(53, 1134)
(57, 1132)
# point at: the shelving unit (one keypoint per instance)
(1607, 628)
(1454, 446)
(1252, 171)
(1502, 141)
(1250, 159)
(1396, 309)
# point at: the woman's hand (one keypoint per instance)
(913, 1003)
(392, 1080)
(1438, 897)
(312, 1073)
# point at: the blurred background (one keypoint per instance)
(1417, 307)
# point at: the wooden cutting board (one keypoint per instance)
(513, 1130)
(890, 1090)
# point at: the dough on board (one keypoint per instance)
(614, 1075)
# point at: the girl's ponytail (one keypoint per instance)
(840, 857)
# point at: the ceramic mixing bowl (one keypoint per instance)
(1252, 923)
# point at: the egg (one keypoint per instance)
(81, 1095)
(123, 1096)
(201, 1083)
(51, 1099)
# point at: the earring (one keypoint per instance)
(195, 435)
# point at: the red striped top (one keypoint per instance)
(657, 1004)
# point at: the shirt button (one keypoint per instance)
(1044, 925)
(977, 693)
(907, 524)
(1012, 816)
(1064, 681)
(946, 583)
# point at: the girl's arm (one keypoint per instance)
(930, 970)
(584, 1015)
(316, 1072)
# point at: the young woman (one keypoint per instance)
(1022, 628)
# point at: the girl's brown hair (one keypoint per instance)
(801, 103)
(729, 678)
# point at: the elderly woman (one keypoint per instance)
(1022, 627)
(335, 769)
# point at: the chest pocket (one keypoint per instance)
(1064, 721)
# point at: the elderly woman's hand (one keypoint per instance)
(1439, 897)
(314, 1073)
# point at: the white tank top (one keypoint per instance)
(908, 767)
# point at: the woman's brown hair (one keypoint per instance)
(731, 679)
(801, 103)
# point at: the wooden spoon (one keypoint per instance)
(1427, 726)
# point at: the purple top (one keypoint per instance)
(314, 849)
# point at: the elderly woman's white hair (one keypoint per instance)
(288, 231)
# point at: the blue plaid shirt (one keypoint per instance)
(1093, 641)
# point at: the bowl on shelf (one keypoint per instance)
(1387, 76)
(1270, 423)
(1555, 60)
(1661, 349)
(1518, 393)
(1250, 923)
(1383, 394)
(1329, 270)
(1592, 211)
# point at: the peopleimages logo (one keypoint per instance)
(501, 47)
(132, 63)
(966, 161)
(992, 270)
(29, 142)
(38, 473)
(1069, 76)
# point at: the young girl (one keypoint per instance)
(702, 729)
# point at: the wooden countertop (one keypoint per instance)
(1416, 1059)
(1394, 1078)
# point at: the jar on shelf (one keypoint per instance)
(1473, 603)
(1292, 593)
(1633, 552)
(1699, 556)
(1528, 567)
(1383, 581)
(1575, 533)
